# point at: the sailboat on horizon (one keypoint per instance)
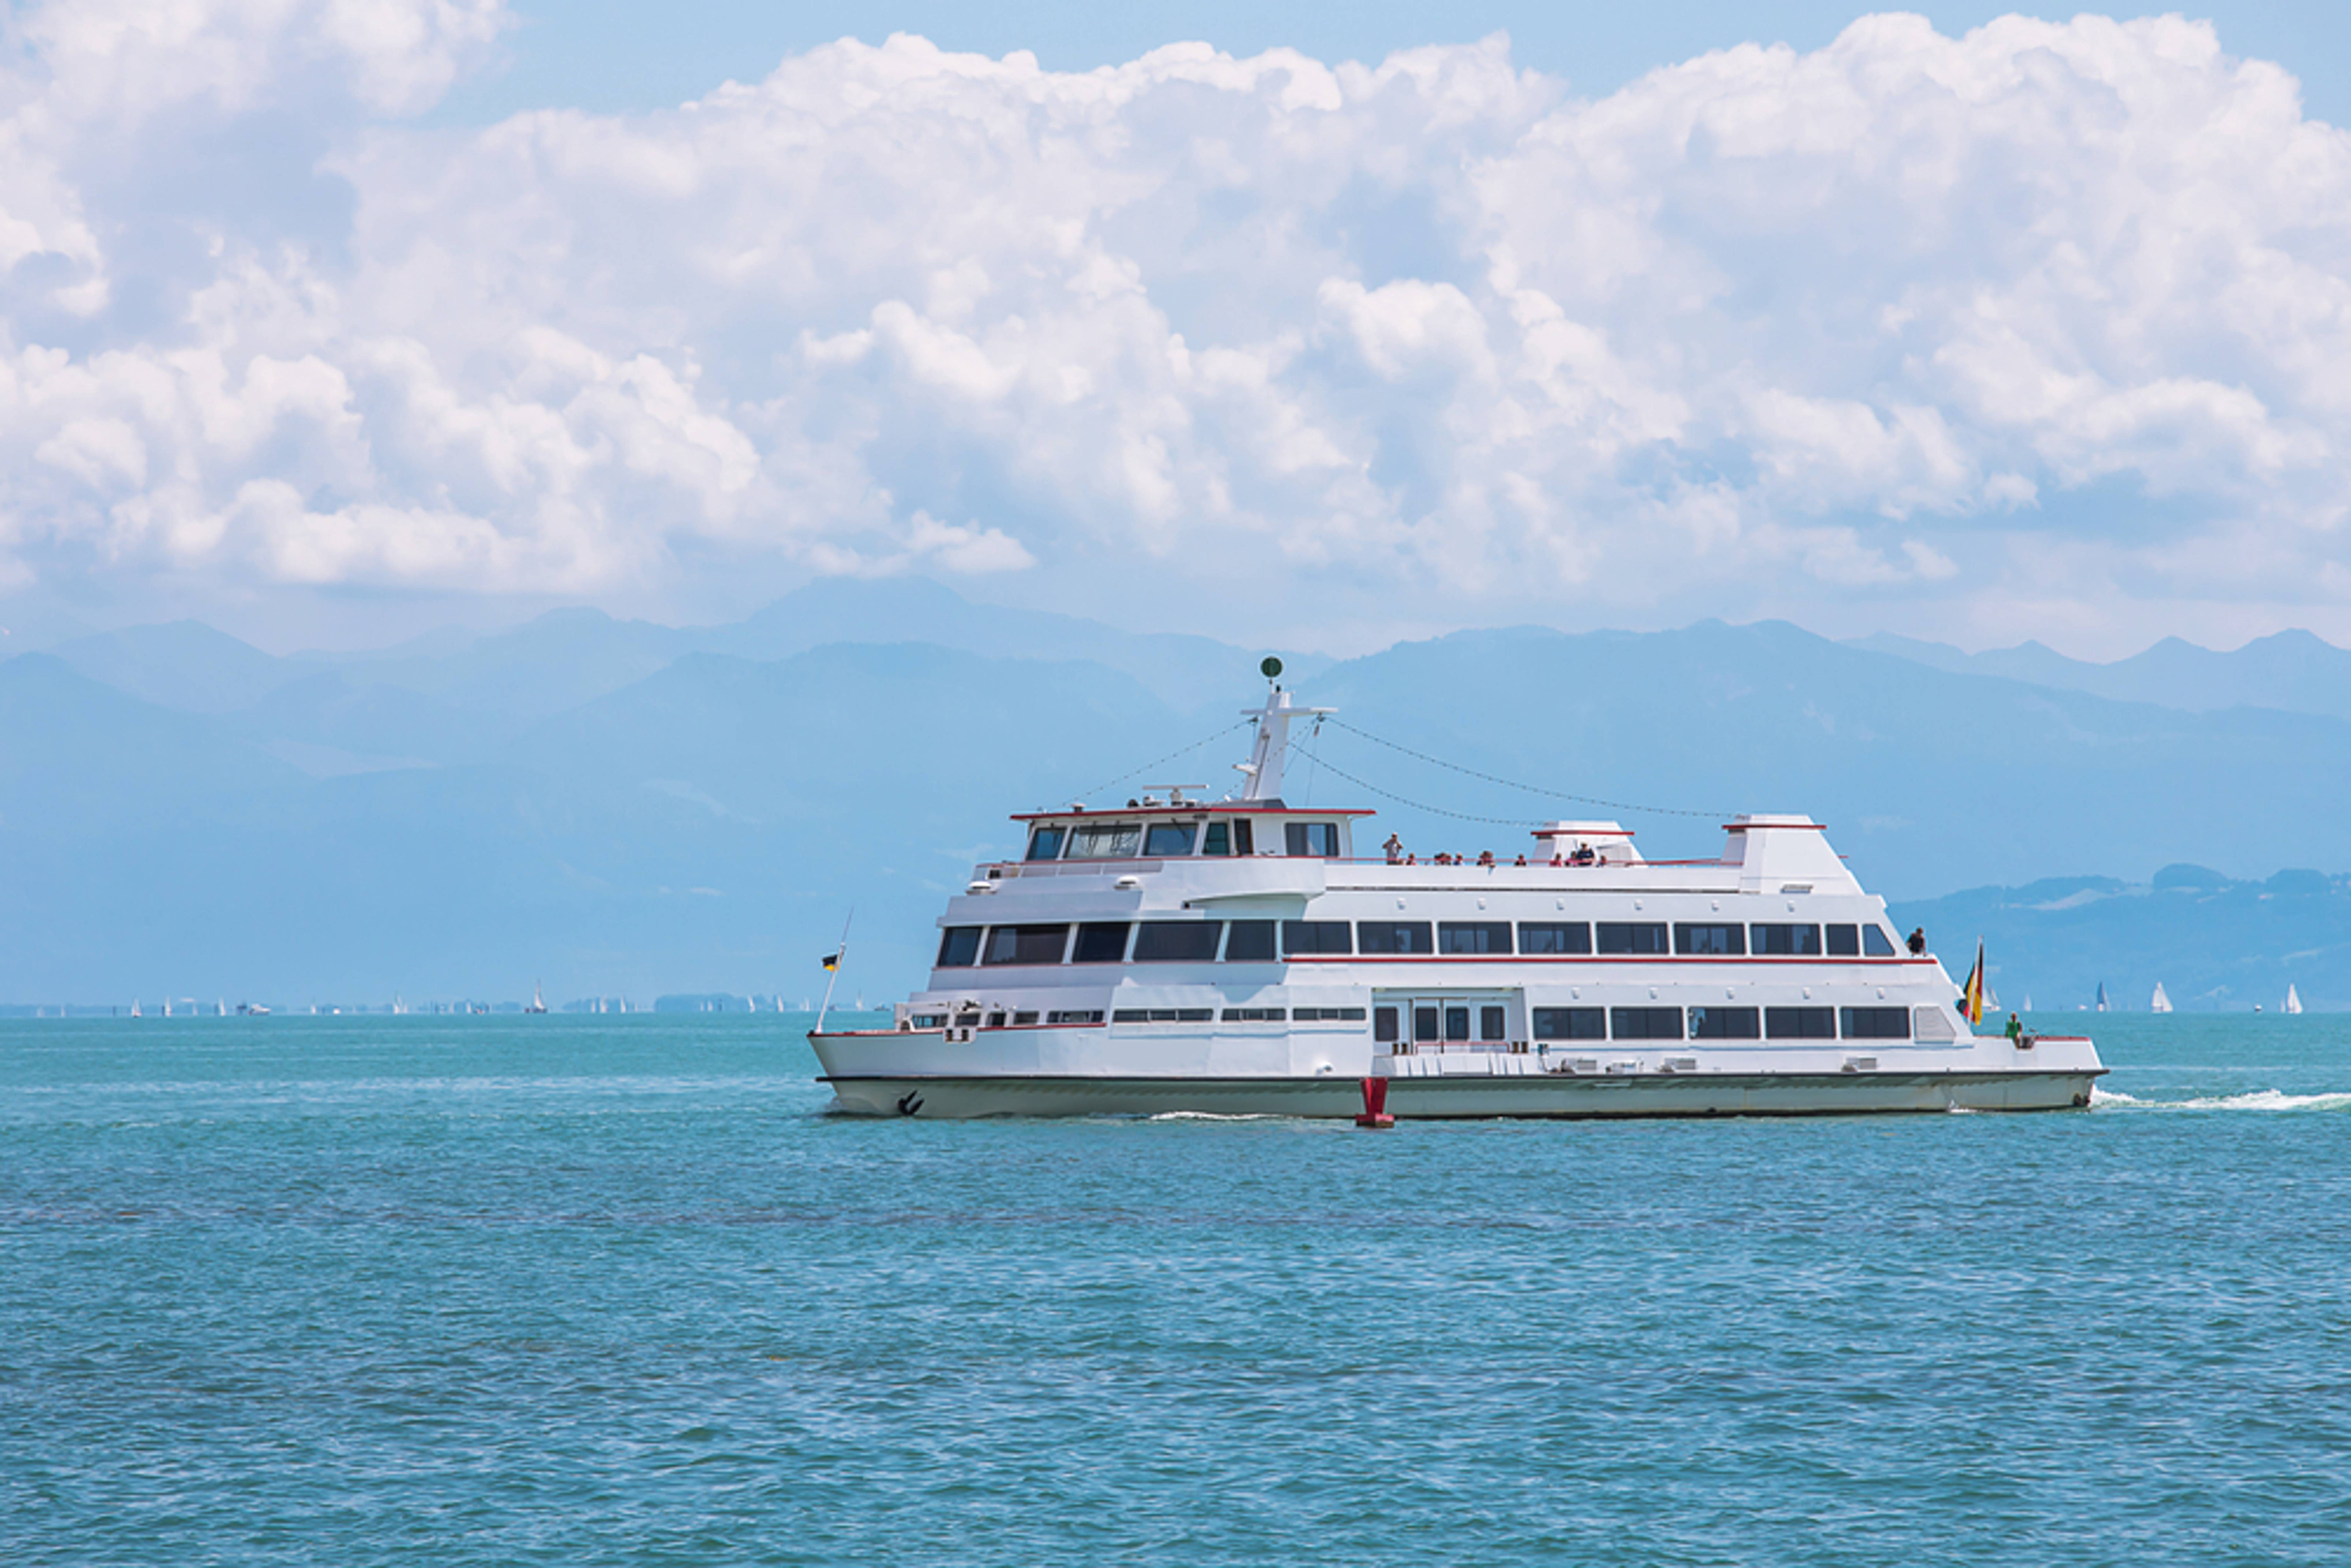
(2292, 1000)
(2102, 996)
(2158, 1003)
(537, 1002)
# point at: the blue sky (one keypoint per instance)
(610, 55)
(1316, 326)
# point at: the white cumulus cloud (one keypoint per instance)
(1910, 319)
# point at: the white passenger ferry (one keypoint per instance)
(1238, 957)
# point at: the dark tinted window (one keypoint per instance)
(1556, 936)
(1045, 845)
(1248, 941)
(1105, 841)
(1425, 1023)
(1243, 843)
(1619, 937)
(958, 946)
(1103, 944)
(1473, 937)
(1844, 941)
(1303, 938)
(1168, 838)
(1873, 1023)
(1457, 1023)
(1383, 1024)
(1220, 840)
(1392, 937)
(1725, 1023)
(1800, 1024)
(1073, 1018)
(1312, 838)
(1026, 943)
(1571, 1023)
(1347, 1015)
(1876, 943)
(1711, 941)
(1491, 1021)
(1646, 1023)
(1785, 941)
(1165, 941)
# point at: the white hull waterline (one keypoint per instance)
(1235, 958)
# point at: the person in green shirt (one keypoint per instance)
(2016, 1029)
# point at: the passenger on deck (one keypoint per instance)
(1522, 857)
(1918, 942)
(2016, 1029)
(1394, 847)
(1486, 857)
(1583, 855)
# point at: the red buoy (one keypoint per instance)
(1376, 1101)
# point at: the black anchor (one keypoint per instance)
(910, 1102)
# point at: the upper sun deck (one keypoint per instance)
(1255, 843)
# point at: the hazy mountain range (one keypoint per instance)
(622, 808)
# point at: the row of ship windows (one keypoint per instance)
(1125, 840)
(1439, 1021)
(1252, 941)
(1144, 1015)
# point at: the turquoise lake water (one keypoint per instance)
(587, 1290)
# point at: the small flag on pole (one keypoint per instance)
(1972, 999)
(831, 962)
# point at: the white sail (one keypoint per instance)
(2292, 1000)
(2159, 1003)
(2102, 996)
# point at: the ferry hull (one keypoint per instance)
(1542, 1095)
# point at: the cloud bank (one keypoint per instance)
(2045, 321)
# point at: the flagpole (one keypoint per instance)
(833, 975)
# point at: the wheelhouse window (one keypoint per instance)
(1844, 941)
(1800, 1024)
(1873, 1023)
(1313, 938)
(1311, 840)
(1785, 941)
(1725, 1023)
(1104, 842)
(1475, 937)
(1397, 937)
(1101, 943)
(1711, 941)
(1169, 839)
(958, 946)
(1554, 938)
(1249, 942)
(1177, 941)
(1622, 936)
(1232, 837)
(1876, 943)
(1026, 943)
(1045, 843)
(1571, 1023)
(1646, 1023)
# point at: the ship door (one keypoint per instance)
(1439, 1019)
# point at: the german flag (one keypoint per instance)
(1971, 996)
(830, 961)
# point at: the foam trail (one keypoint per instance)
(2258, 1100)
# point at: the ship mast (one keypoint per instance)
(1264, 769)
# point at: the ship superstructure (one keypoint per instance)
(1238, 956)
